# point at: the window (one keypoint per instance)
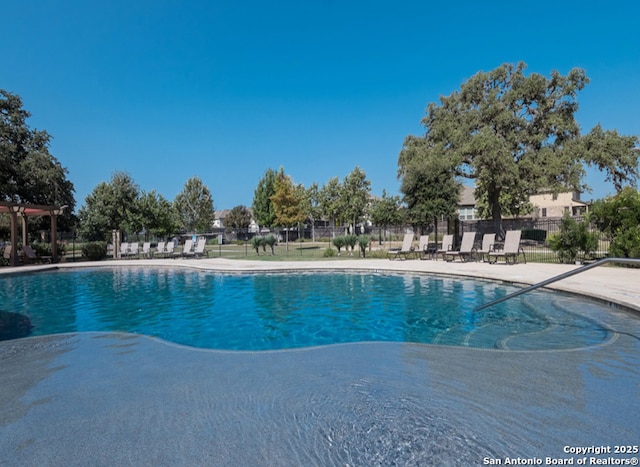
(544, 212)
(555, 196)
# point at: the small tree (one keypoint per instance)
(573, 240)
(363, 242)
(287, 203)
(263, 210)
(350, 241)
(194, 206)
(238, 218)
(619, 218)
(339, 242)
(386, 211)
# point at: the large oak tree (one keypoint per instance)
(514, 134)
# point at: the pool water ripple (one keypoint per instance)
(287, 310)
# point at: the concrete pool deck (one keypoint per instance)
(120, 399)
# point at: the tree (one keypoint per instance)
(311, 206)
(238, 218)
(156, 214)
(515, 134)
(110, 206)
(263, 211)
(194, 206)
(354, 196)
(386, 211)
(28, 172)
(287, 203)
(330, 195)
(619, 218)
(430, 190)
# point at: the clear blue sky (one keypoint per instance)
(166, 90)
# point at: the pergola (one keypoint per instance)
(20, 211)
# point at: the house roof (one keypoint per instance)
(466, 196)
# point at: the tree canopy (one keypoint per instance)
(263, 211)
(110, 206)
(194, 206)
(619, 218)
(513, 135)
(354, 196)
(28, 172)
(238, 218)
(287, 202)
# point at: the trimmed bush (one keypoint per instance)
(329, 253)
(339, 242)
(94, 251)
(256, 243)
(271, 241)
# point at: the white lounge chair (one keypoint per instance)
(405, 250)
(447, 245)
(199, 250)
(426, 249)
(511, 249)
(488, 240)
(186, 249)
(159, 249)
(146, 250)
(31, 256)
(124, 249)
(466, 250)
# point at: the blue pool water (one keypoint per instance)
(287, 310)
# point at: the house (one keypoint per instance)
(467, 204)
(549, 204)
(545, 204)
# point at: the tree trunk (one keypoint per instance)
(496, 210)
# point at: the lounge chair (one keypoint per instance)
(6, 255)
(134, 249)
(447, 245)
(488, 240)
(199, 249)
(511, 249)
(31, 256)
(124, 249)
(168, 249)
(146, 250)
(466, 250)
(186, 249)
(405, 250)
(159, 249)
(426, 249)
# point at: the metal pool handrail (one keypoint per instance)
(558, 278)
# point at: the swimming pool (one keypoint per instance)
(257, 311)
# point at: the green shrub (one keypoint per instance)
(339, 243)
(256, 243)
(271, 241)
(572, 239)
(329, 253)
(626, 243)
(94, 251)
(351, 241)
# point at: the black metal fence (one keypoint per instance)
(534, 240)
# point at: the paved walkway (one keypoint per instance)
(118, 399)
